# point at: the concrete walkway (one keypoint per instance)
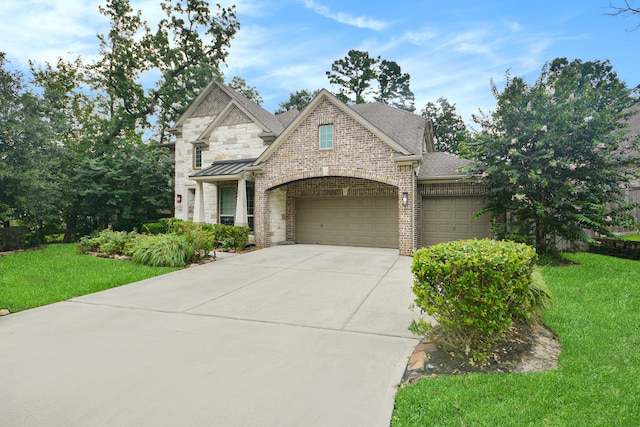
(298, 335)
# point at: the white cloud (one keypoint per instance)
(513, 25)
(419, 38)
(344, 18)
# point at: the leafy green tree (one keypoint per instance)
(550, 154)
(76, 118)
(121, 184)
(10, 89)
(73, 149)
(126, 185)
(393, 86)
(297, 101)
(185, 50)
(29, 189)
(359, 75)
(353, 74)
(239, 84)
(449, 130)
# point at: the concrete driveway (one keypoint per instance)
(297, 335)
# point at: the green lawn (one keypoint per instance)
(596, 314)
(635, 237)
(56, 273)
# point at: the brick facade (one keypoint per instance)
(358, 160)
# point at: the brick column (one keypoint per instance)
(261, 213)
(406, 214)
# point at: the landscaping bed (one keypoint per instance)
(595, 314)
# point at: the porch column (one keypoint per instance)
(198, 205)
(241, 204)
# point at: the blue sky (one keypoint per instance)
(450, 48)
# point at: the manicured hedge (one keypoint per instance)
(475, 289)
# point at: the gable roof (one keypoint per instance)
(256, 113)
(405, 128)
(383, 130)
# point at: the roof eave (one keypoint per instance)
(408, 160)
(441, 179)
(234, 177)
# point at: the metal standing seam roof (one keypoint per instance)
(225, 168)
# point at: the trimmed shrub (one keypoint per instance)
(202, 237)
(107, 242)
(233, 236)
(154, 228)
(12, 238)
(163, 250)
(475, 289)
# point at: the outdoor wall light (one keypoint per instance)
(179, 198)
(405, 198)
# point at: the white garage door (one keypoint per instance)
(348, 221)
(451, 218)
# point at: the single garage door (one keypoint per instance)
(451, 218)
(347, 221)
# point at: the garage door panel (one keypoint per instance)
(452, 218)
(354, 221)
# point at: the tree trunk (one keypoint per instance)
(70, 233)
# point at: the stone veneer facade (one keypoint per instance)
(236, 137)
(358, 160)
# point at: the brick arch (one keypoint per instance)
(335, 173)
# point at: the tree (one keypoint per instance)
(29, 189)
(449, 130)
(125, 186)
(550, 155)
(122, 184)
(239, 84)
(297, 101)
(353, 74)
(357, 72)
(184, 59)
(627, 9)
(393, 86)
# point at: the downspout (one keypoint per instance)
(413, 208)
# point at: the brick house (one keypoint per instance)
(361, 175)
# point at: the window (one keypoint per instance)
(250, 196)
(197, 156)
(227, 208)
(326, 137)
(227, 199)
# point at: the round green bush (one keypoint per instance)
(475, 289)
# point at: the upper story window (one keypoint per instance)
(326, 137)
(197, 157)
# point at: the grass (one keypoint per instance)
(635, 237)
(35, 278)
(596, 314)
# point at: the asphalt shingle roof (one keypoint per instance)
(266, 118)
(287, 117)
(441, 165)
(405, 128)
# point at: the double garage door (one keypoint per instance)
(451, 218)
(373, 221)
(352, 221)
